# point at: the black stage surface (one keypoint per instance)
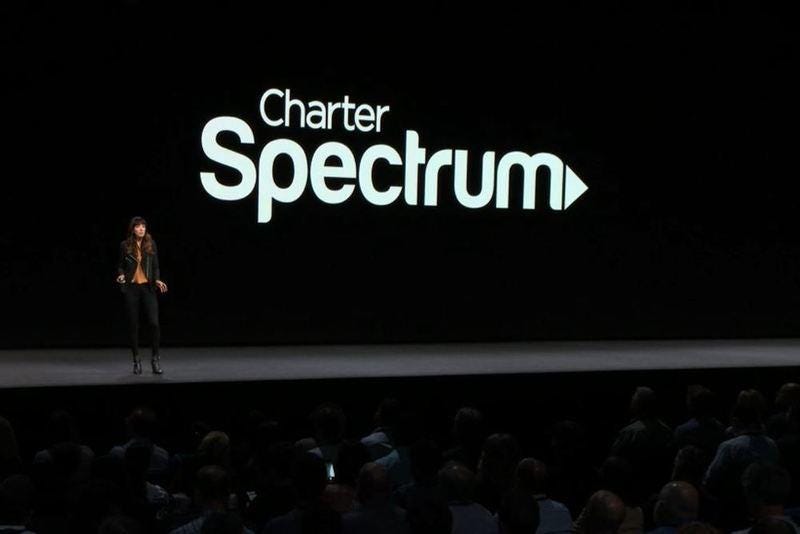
(108, 366)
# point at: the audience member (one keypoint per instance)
(340, 493)
(766, 488)
(702, 430)
(374, 512)
(750, 444)
(469, 433)
(496, 469)
(554, 517)
(141, 426)
(677, 505)
(645, 441)
(311, 514)
(604, 513)
(380, 441)
(518, 513)
(458, 487)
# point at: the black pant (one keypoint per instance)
(142, 296)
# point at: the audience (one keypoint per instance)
(257, 477)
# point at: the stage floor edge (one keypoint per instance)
(93, 367)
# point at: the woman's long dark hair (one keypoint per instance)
(130, 241)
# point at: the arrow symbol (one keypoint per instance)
(573, 187)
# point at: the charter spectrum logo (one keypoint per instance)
(334, 171)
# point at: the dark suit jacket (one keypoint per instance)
(127, 264)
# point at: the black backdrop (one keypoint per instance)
(680, 117)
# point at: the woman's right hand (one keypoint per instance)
(121, 279)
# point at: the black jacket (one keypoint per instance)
(127, 264)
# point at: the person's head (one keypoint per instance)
(788, 397)
(458, 483)
(604, 513)
(468, 427)
(329, 422)
(141, 423)
(644, 404)
(16, 500)
(677, 504)
(518, 513)
(214, 449)
(748, 412)
(351, 458)
(532, 476)
(499, 458)
(212, 487)
(137, 227)
(690, 464)
(138, 233)
(766, 488)
(699, 401)
(388, 413)
(374, 487)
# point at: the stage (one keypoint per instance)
(94, 367)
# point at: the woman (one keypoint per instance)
(139, 277)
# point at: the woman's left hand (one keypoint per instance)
(161, 286)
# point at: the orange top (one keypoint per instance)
(138, 276)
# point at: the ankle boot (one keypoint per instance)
(155, 362)
(137, 365)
